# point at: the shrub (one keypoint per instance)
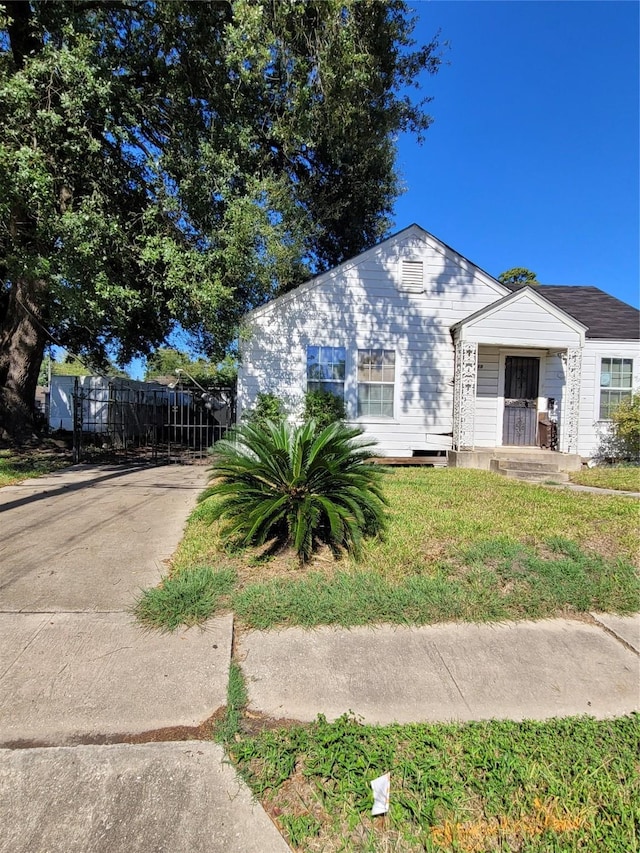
(626, 426)
(622, 440)
(324, 408)
(295, 485)
(268, 407)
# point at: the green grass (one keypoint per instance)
(16, 467)
(237, 699)
(625, 478)
(495, 582)
(460, 544)
(561, 785)
(187, 598)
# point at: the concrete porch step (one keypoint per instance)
(524, 465)
(519, 457)
(534, 476)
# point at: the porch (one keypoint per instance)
(517, 385)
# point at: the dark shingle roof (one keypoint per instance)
(604, 316)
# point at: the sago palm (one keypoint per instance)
(297, 485)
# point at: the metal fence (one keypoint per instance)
(158, 424)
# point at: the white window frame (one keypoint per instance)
(623, 392)
(326, 383)
(368, 416)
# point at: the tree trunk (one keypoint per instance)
(22, 343)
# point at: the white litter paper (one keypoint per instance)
(380, 788)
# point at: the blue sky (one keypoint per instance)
(532, 159)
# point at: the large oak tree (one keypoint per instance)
(175, 163)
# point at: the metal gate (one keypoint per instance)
(116, 420)
(521, 382)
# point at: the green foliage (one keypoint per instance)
(166, 361)
(178, 163)
(297, 486)
(324, 408)
(620, 436)
(519, 276)
(562, 785)
(186, 598)
(625, 420)
(268, 408)
(70, 365)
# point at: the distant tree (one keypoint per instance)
(519, 277)
(167, 361)
(70, 365)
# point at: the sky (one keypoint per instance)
(533, 156)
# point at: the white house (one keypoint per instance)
(432, 354)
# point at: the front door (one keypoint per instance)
(521, 380)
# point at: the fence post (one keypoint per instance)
(77, 422)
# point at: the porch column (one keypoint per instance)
(464, 394)
(572, 400)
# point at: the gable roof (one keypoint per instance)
(604, 316)
(518, 294)
(411, 230)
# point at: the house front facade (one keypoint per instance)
(433, 355)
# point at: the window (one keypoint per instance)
(376, 377)
(325, 369)
(615, 384)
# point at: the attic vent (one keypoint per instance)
(412, 276)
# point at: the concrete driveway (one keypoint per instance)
(76, 670)
(89, 538)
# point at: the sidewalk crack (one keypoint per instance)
(22, 651)
(451, 676)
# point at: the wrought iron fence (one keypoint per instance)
(128, 420)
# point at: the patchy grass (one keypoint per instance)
(186, 598)
(237, 699)
(496, 581)
(625, 478)
(460, 545)
(565, 785)
(18, 466)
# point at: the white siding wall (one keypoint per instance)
(487, 392)
(523, 322)
(360, 307)
(594, 352)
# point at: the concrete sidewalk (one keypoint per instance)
(76, 549)
(173, 797)
(519, 670)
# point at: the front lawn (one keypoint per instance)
(17, 466)
(561, 785)
(625, 478)
(460, 544)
